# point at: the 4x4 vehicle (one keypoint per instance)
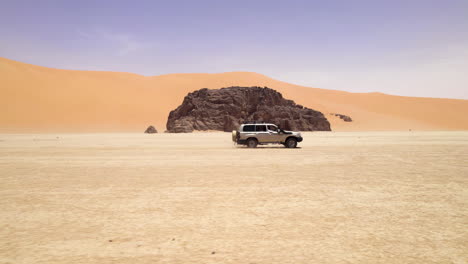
(252, 134)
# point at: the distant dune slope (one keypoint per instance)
(39, 99)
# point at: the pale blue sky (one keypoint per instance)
(411, 47)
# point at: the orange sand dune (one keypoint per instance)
(39, 99)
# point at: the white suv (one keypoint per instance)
(252, 134)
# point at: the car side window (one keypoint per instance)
(272, 128)
(260, 128)
(249, 128)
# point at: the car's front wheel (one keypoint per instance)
(291, 143)
(252, 143)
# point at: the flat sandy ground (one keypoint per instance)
(383, 197)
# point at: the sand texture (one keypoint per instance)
(39, 99)
(343, 197)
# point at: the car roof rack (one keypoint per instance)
(252, 122)
(256, 122)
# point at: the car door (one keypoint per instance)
(262, 134)
(273, 133)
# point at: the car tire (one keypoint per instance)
(291, 143)
(252, 143)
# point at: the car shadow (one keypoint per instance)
(266, 147)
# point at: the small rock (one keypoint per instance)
(343, 117)
(212, 253)
(151, 130)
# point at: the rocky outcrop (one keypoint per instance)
(224, 109)
(343, 117)
(151, 130)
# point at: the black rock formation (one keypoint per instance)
(224, 109)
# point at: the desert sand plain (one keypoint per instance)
(342, 197)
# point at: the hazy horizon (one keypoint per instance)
(399, 48)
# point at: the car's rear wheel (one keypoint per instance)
(252, 143)
(291, 143)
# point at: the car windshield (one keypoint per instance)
(272, 128)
